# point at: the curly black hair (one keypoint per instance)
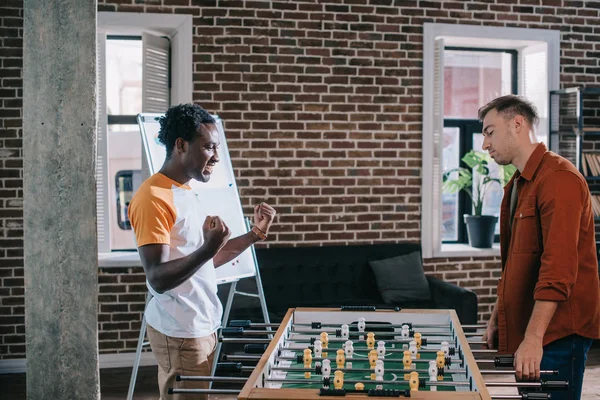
(182, 121)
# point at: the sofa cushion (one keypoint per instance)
(401, 279)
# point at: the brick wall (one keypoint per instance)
(12, 301)
(322, 106)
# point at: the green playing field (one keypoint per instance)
(392, 361)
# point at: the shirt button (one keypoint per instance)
(520, 215)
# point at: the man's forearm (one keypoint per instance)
(542, 314)
(169, 274)
(234, 247)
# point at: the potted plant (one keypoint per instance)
(480, 228)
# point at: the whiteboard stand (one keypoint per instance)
(138, 352)
(230, 298)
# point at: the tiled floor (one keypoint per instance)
(115, 382)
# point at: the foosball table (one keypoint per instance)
(361, 352)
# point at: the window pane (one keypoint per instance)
(123, 77)
(472, 78)
(495, 191)
(124, 182)
(124, 169)
(450, 157)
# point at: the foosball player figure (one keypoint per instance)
(307, 362)
(318, 349)
(349, 350)
(370, 340)
(324, 343)
(445, 347)
(441, 363)
(407, 361)
(414, 381)
(372, 362)
(379, 372)
(433, 374)
(326, 369)
(361, 325)
(345, 332)
(340, 359)
(381, 349)
(414, 352)
(419, 340)
(405, 332)
(338, 380)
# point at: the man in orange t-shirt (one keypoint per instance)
(548, 308)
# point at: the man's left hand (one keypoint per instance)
(528, 358)
(264, 215)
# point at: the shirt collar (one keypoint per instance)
(534, 161)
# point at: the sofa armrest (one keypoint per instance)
(449, 296)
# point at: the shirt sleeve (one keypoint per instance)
(562, 201)
(152, 219)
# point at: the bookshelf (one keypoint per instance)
(575, 134)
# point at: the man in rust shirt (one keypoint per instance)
(548, 307)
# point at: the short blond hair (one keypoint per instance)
(510, 106)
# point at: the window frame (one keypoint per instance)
(178, 28)
(468, 127)
(520, 39)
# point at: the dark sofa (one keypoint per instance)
(332, 276)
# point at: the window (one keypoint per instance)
(123, 103)
(144, 65)
(472, 77)
(463, 68)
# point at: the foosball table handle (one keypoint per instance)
(504, 362)
(535, 396)
(229, 367)
(555, 385)
(232, 331)
(240, 323)
(254, 348)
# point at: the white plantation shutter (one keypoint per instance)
(438, 127)
(102, 150)
(534, 83)
(433, 125)
(155, 74)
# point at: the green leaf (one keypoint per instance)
(479, 162)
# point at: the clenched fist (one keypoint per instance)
(216, 234)
(264, 215)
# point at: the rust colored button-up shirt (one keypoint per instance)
(550, 253)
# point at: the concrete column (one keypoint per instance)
(59, 146)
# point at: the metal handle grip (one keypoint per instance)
(240, 323)
(555, 385)
(504, 362)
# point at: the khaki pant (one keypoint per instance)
(182, 356)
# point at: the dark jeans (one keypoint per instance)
(567, 355)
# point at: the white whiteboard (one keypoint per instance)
(219, 196)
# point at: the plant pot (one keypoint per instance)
(480, 229)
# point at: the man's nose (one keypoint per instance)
(485, 144)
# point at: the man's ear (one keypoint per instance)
(181, 145)
(518, 123)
